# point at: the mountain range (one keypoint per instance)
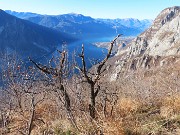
(85, 26)
(129, 22)
(35, 35)
(28, 39)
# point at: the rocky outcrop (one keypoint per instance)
(154, 47)
(162, 38)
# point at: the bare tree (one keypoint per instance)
(21, 88)
(93, 78)
(59, 73)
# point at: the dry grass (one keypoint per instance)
(132, 118)
(148, 103)
(170, 106)
(127, 106)
(113, 127)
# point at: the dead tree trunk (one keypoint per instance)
(93, 78)
(93, 102)
(30, 125)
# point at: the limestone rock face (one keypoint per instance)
(154, 47)
(162, 38)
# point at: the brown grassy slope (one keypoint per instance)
(140, 102)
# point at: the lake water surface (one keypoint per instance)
(91, 51)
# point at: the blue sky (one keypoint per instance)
(141, 9)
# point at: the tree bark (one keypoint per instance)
(92, 102)
(31, 118)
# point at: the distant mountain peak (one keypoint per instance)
(2, 11)
(5, 15)
(21, 15)
(75, 14)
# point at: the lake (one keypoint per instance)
(92, 52)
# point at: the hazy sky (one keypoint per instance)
(141, 9)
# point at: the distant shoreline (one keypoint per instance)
(120, 42)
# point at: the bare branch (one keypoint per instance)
(40, 67)
(102, 63)
(84, 70)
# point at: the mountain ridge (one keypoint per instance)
(18, 14)
(157, 46)
(27, 38)
(86, 26)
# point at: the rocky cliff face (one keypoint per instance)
(161, 37)
(157, 46)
